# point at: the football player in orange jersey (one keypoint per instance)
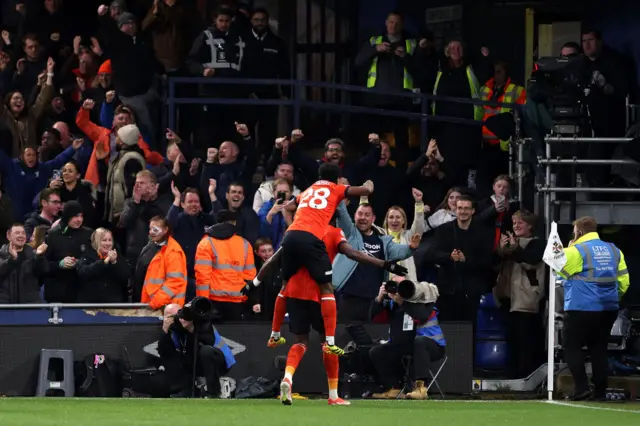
(302, 245)
(303, 301)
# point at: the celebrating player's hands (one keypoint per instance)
(395, 269)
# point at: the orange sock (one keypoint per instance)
(329, 316)
(279, 311)
(332, 366)
(293, 360)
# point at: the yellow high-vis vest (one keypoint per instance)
(410, 47)
(478, 111)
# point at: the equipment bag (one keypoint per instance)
(261, 387)
(97, 377)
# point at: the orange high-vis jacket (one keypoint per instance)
(222, 267)
(166, 278)
(101, 135)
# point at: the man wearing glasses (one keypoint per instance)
(463, 252)
(50, 206)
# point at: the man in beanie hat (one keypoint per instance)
(133, 65)
(123, 168)
(68, 241)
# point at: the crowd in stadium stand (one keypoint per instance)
(100, 204)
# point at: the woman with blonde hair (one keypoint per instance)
(395, 224)
(103, 272)
(38, 236)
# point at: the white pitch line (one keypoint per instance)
(590, 407)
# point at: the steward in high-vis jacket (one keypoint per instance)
(166, 278)
(224, 265)
(596, 278)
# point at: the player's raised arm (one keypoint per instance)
(360, 191)
(353, 254)
(270, 264)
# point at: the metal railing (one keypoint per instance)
(56, 308)
(297, 102)
(548, 188)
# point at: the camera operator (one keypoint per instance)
(607, 100)
(413, 330)
(176, 349)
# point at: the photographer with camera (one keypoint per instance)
(188, 330)
(413, 330)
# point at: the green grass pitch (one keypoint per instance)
(134, 412)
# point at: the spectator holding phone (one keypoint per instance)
(496, 211)
(274, 218)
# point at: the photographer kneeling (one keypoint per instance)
(413, 330)
(186, 329)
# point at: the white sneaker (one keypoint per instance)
(285, 392)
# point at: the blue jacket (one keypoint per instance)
(596, 275)
(188, 231)
(218, 343)
(22, 183)
(274, 230)
(343, 267)
(432, 330)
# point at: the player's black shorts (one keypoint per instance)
(303, 316)
(303, 249)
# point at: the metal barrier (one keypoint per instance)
(548, 188)
(297, 102)
(56, 308)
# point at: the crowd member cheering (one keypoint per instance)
(20, 119)
(21, 268)
(25, 177)
(67, 243)
(102, 272)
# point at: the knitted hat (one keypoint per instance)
(105, 68)
(71, 209)
(129, 134)
(125, 18)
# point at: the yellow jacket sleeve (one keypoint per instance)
(574, 262)
(623, 276)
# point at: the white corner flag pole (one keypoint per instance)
(554, 257)
(551, 334)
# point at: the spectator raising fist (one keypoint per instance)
(213, 185)
(110, 96)
(242, 129)
(88, 104)
(296, 135)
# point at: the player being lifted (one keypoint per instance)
(303, 299)
(302, 244)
